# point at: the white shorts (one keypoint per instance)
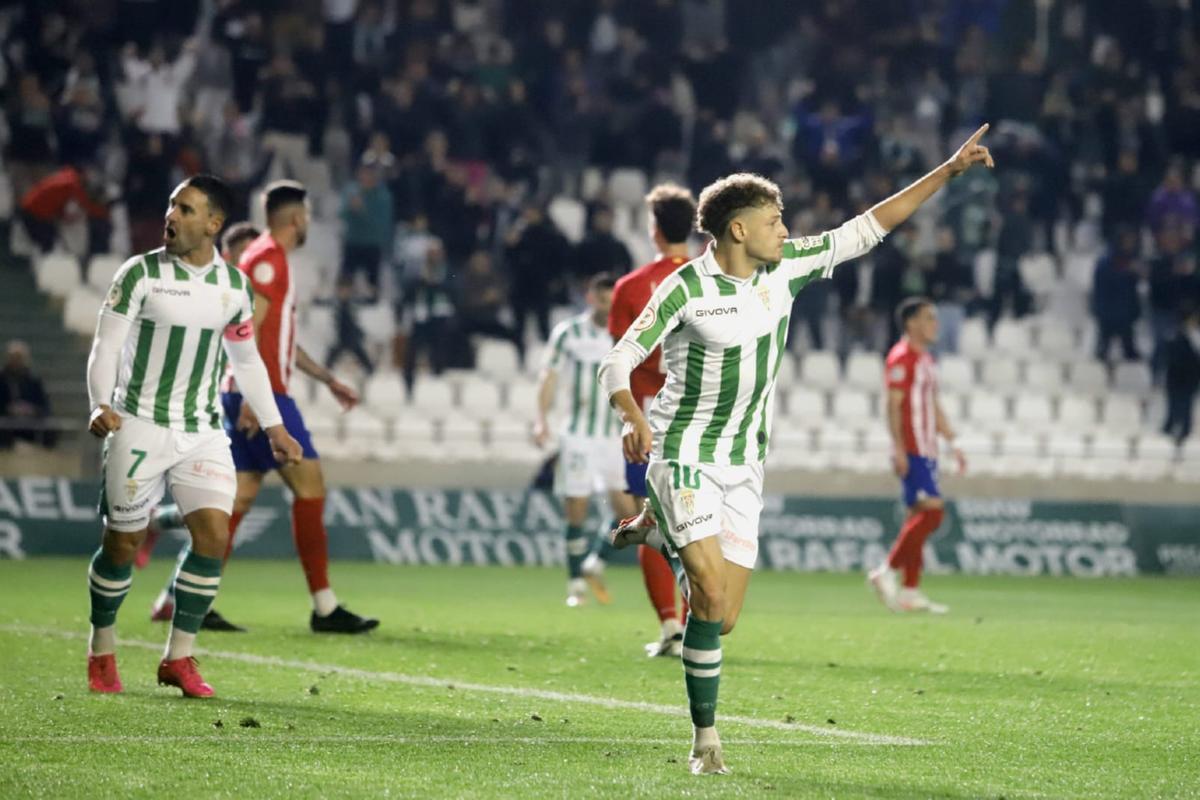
(589, 466)
(693, 502)
(142, 458)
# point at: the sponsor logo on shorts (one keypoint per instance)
(716, 312)
(741, 542)
(692, 523)
(210, 471)
(130, 508)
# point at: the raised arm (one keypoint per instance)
(900, 206)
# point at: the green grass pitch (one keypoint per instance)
(472, 688)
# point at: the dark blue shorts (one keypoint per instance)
(253, 453)
(635, 479)
(921, 480)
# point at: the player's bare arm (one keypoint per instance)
(949, 434)
(547, 384)
(346, 396)
(895, 404)
(900, 206)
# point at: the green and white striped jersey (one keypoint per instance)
(173, 358)
(577, 346)
(723, 340)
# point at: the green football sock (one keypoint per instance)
(196, 586)
(577, 550)
(108, 583)
(702, 669)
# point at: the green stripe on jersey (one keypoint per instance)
(693, 378)
(235, 278)
(791, 251)
(731, 365)
(181, 274)
(592, 369)
(575, 404)
(211, 277)
(780, 344)
(217, 370)
(692, 280)
(132, 276)
(191, 399)
(673, 302)
(141, 362)
(762, 360)
(166, 381)
(725, 286)
(152, 271)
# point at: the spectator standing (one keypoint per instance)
(1173, 203)
(367, 216)
(1015, 239)
(601, 251)
(428, 311)
(23, 400)
(58, 196)
(482, 297)
(350, 338)
(288, 117)
(1183, 378)
(1114, 295)
(538, 258)
(952, 288)
(1174, 287)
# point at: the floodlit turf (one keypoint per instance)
(1030, 688)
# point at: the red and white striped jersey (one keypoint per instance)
(914, 372)
(265, 263)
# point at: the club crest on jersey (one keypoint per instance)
(898, 373)
(764, 294)
(115, 294)
(688, 498)
(225, 298)
(646, 320)
(131, 488)
(263, 272)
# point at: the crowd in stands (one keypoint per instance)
(445, 128)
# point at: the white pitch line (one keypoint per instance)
(482, 688)
(386, 739)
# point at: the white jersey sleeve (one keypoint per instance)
(127, 292)
(811, 257)
(665, 311)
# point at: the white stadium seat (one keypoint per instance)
(362, 426)
(503, 428)
(385, 395)
(1044, 376)
(101, 270)
(56, 273)
(865, 371)
(479, 399)
(432, 396)
(1110, 445)
(975, 446)
(1001, 373)
(1057, 339)
(1121, 414)
(1020, 443)
(1013, 337)
(1039, 271)
(378, 322)
(973, 339)
(956, 373)
(987, 409)
(1033, 411)
(81, 310)
(819, 369)
(627, 186)
(787, 371)
(462, 429)
(1088, 376)
(522, 399)
(570, 216)
(1077, 412)
(497, 359)
(1132, 377)
(853, 407)
(806, 406)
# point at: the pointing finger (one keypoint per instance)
(977, 135)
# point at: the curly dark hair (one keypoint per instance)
(674, 211)
(723, 199)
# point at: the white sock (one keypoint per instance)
(103, 640)
(179, 645)
(324, 602)
(671, 627)
(576, 586)
(704, 737)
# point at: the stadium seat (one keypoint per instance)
(987, 409)
(852, 407)
(876, 439)
(836, 440)
(1088, 376)
(973, 339)
(378, 322)
(1044, 376)
(819, 369)
(461, 429)
(1001, 373)
(1132, 377)
(1012, 337)
(384, 395)
(1077, 412)
(1121, 414)
(976, 445)
(787, 371)
(503, 428)
(954, 404)
(433, 397)
(521, 399)
(56, 273)
(323, 426)
(1039, 271)
(1110, 445)
(570, 216)
(101, 269)
(627, 186)
(1155, 447)
(984, 268)
(479, 399)
(1057, 339)
(362, 426)
(806, 406)
(1033, 412)
(956, 373)
(1078, 270)
(497, 359)
(865, 371)
(591, 183)
(1020, 443)
(81, 310)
